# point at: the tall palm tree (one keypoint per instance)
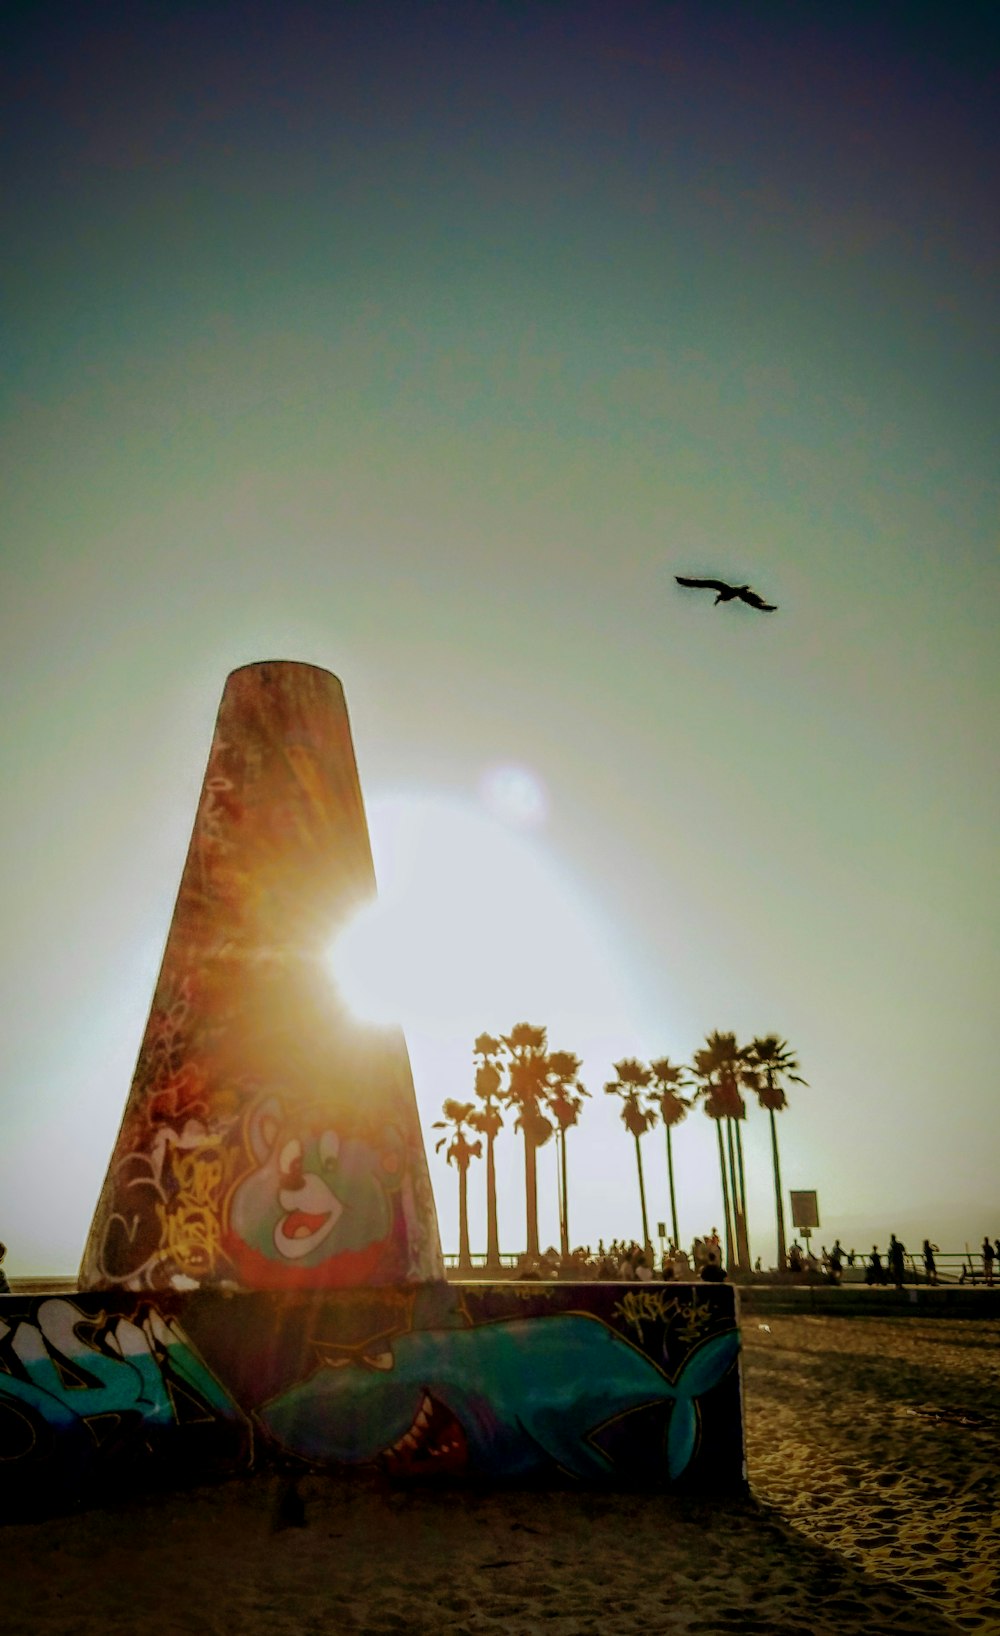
(731, 1071)
(637, 1118)
(564, 1098)
(527, 1066)
(709, 1096)
(488, 1121)
(460, 1152)
(669, 1080)
(773, 1061)
(721, 1069)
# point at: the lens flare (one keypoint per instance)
(474, 927)
(515, 795)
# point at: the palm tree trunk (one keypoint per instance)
(778, 1206)
(531, 1195)
(673, 1199)
(564, 1201)
(464, 1256)
(492, 1235)
(737, 1205)
(725, 1195)
(743, 1195)
(642, 1196)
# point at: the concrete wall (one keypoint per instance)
(606, 1384)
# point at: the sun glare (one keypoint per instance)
(474, 927)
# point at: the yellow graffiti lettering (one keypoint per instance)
(190, 1223)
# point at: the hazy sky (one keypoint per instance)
(426, 343)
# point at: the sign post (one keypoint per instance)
(805, 1213)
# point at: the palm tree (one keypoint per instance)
(525, 1090)
(710, 1098)
(564, 1097)
(488, 1121)
(723, 1068)
(637, 1118)
(720, 1068)
(460, 1152)
(669, 1081)
(773, 1060)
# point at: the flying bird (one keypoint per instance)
(726, 593)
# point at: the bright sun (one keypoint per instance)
(474, 927)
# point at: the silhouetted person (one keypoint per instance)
(837, 1261)
(930, 1265)
(4, 1286)
(988, 1258)
(896, 1254)
(795, 1257)
(873, 1271)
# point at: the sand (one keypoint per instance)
(874, 1460)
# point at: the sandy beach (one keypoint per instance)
(874, 1459)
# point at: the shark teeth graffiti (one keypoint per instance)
(434, 1446)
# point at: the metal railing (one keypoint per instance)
(952, 1266)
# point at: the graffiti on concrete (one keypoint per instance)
(513, 1383)
(86, 1392)
(521, 1400)
(317, 1207)
(253, 1081)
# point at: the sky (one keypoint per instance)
(427, 343)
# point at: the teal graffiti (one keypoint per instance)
(83, 1378)
(512, 1399)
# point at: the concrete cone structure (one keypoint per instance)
(269, 1140)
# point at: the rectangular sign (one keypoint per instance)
(805, 1210)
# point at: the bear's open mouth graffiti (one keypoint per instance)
(303, 1223)
(299, 1231)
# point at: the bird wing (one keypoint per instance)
(756, 601)
(703, 584)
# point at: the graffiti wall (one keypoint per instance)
(609, 1384)
(269, 1140)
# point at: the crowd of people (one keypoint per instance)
(624, 1259)
(896, 1264)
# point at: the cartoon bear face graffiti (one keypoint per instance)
(317, 1208)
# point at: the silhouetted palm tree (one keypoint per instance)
(564, 1097)
(722, 1068)
(488, 1121)
(527, 1066)
(460, 1152)
(708, 1095)
(637, 1118)
(669, 1080)
(773, 1061)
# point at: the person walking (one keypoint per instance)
(4, 1286)
(896, 1254)
(930, 1265)
(988, 1257)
